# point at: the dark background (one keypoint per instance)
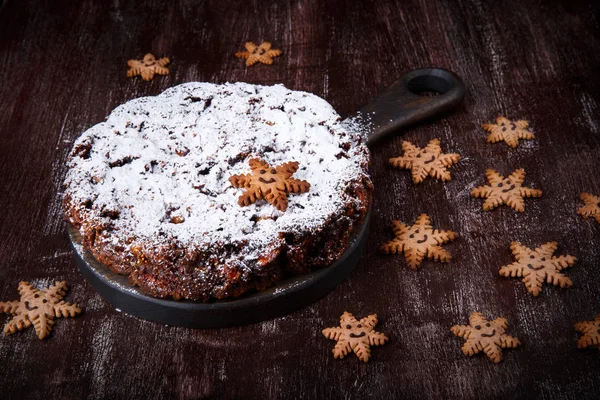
(63, 69)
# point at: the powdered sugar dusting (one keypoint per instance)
(169, 157)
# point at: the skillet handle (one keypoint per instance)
(400, 105)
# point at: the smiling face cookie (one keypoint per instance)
(357, 336)
(423, 162)
(486, 336)
(503, 190)
(508, 131)
(263, 53)
(418, 241)
(537, 266)
(148, 67)
(271, 184)
(38, 307)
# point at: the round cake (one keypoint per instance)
(161, 191)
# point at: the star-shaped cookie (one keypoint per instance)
(508, 131)
(262, 53)
(271, 184)
(591, 333)
(428, 161)
(538, 265)
(503, 190)
(591, 207)
(38, 307)
(148, 67)
(486, 336)
(356, 336)
(418, 241)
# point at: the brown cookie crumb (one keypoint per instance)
(262, 53)
(418, 241)
(428, 161)
(591, 333)
(271, 184)
(356, 336)
(591, 207)
(486, 336)
(538, 265)
(508, 131)
(38, 307)
(507, 191)
(148, 67)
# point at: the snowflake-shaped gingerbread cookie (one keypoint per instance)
(270, 183)
(356, 336)
(537, 266)
(148, 67)
(38, 307)
(501, 190)
(508, 131)
(418, 241)
(590, 333)
(423, 162)
(591, 207)
(262, 53)
(486, 336)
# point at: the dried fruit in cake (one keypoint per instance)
(356, 336)
(486, 336)
(590, 331)
(262, 53)
(508, 131)
(148, 67)
(423, 162)
(591, 207)
(149, 188)
(270, 183)
(503, 190)
(38, 308)
(418, 241)
(537, 266)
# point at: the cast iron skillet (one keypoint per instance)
(397, 107)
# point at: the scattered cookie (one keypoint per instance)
(486, 336)
(262, 53)
(148, 67)
(505, 190)
(591, 207)
(508, 131)
(418, 241)
(38, 307)
(271, 184)
(591, 333)
(538, 265)
(428, 161)
(357, 336)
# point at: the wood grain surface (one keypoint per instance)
(63, 69)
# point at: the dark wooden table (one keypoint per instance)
(62, 70)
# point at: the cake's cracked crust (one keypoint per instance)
(508, 131)
(418, 241)
(270, 183)
(591, 207)
(537, 266)
(486, 336)
(501, 190)
(149, 188)
(38, 308)
(262, 53)
(148, 67)
(590, 331)
(356, 336)
(423, 162)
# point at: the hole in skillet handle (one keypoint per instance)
(408, 101)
